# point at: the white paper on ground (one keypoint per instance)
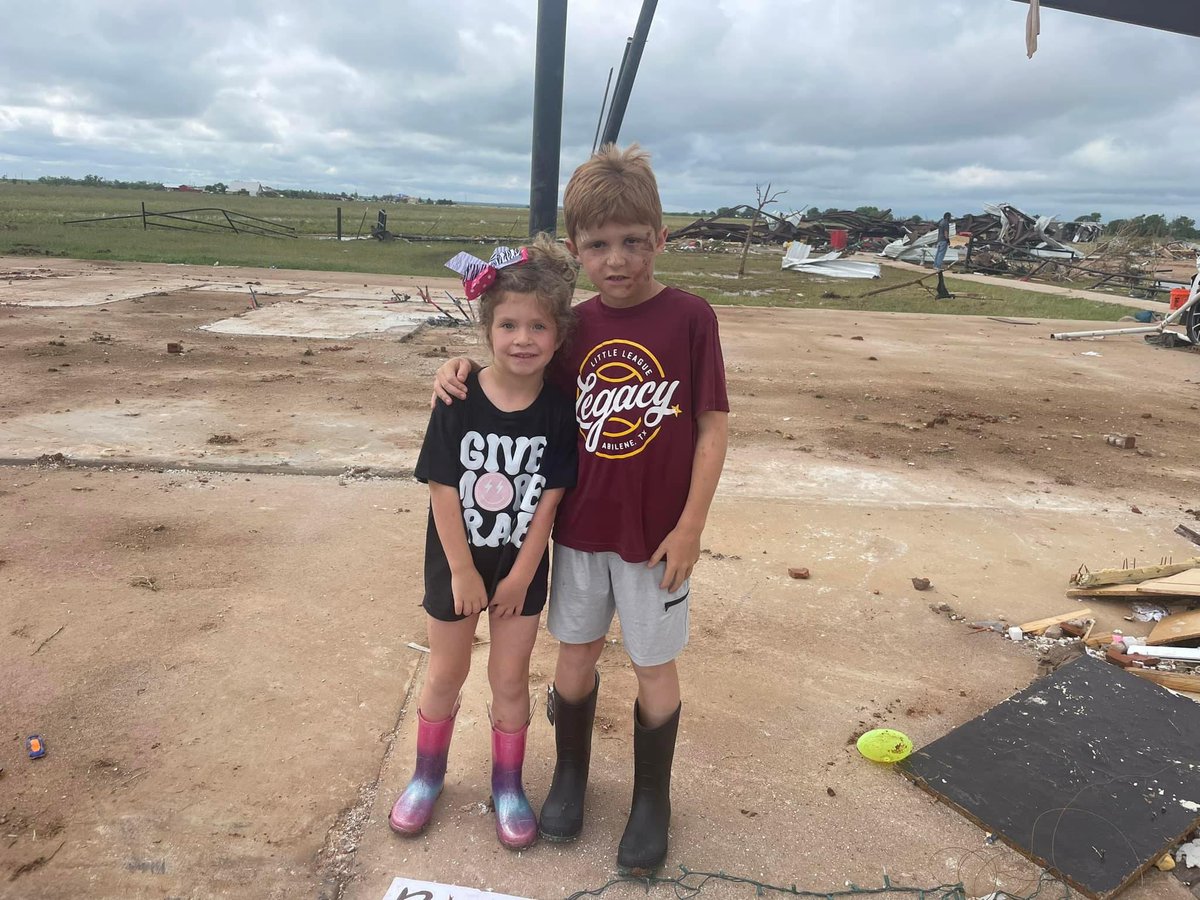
(407, 889)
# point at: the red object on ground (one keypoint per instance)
(1179, 297)
(837, 238)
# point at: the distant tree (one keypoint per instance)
(445, 202)
(1090, 217)
(1154, 225)
(875, 212)
(813, 212)
(217, 188)
(1183, 227)
(914, 219)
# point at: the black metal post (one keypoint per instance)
(603, 103)
(547, 115)
(339, 224)
(629, 68)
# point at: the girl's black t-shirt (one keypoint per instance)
(501, 463)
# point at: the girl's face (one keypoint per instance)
(523, 336)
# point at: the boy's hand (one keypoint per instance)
(450, 381)
(509, 598)
(470, 596)
(681, 549)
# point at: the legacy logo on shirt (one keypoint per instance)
(501, 477)
(623, 396)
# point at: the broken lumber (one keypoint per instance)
(1172, 629)
(895, 287)
(1039, 625)
(1131, 576)
(1100, 639)
(1190, 534)
(1185, 584)
(1176, 681)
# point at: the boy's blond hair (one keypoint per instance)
(613, 186)
(550, 272)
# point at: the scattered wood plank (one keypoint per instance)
(1176, 681)
(1184, 584)
(1099, 639)
(1176, 628)
(1111, 592)
(1132, 576)
(1039, 625)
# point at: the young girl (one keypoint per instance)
(496, 465)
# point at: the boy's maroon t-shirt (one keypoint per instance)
(640, 377)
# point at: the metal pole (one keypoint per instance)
(616, 112)
(547, 115)
(603, 103)
(339, 224)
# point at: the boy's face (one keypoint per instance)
(619, 259)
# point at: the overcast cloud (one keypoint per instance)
(918, 107)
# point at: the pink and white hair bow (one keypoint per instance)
(477, 275)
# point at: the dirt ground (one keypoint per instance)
(208, 605)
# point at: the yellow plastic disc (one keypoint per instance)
(885, 745)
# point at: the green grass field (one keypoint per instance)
(32, 217)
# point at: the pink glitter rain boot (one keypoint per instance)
(413, 810)
(516, 825)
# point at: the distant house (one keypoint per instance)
(253, 188)
(189, 189)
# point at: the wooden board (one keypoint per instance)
(1176, 628)
(1064, 770)
(1184, 583)
(1176, 681)
(1039, 625)
(1132, 576)
(1112, 592)
(1183, 586)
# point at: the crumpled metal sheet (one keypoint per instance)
(797, 259)
(918, 250)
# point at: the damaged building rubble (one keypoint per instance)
(1002, 240)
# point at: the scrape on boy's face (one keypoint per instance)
(619, 259)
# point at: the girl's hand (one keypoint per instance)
(509, 598)
(470, 596)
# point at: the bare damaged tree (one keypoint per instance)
(765, 198)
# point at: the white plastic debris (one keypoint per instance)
(1189, 853)
(1148, 612)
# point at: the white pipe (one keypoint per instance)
(1192, 653)
(1070, 335)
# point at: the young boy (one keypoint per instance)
(646, 370)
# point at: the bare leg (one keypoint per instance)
(575, 672)
(449, 663)
(508, 669)
(658, 693)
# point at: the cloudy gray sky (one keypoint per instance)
(915, 106)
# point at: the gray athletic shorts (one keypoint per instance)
(587, 588)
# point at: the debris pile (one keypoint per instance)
(861, 232)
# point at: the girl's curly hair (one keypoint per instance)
(550, 273)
